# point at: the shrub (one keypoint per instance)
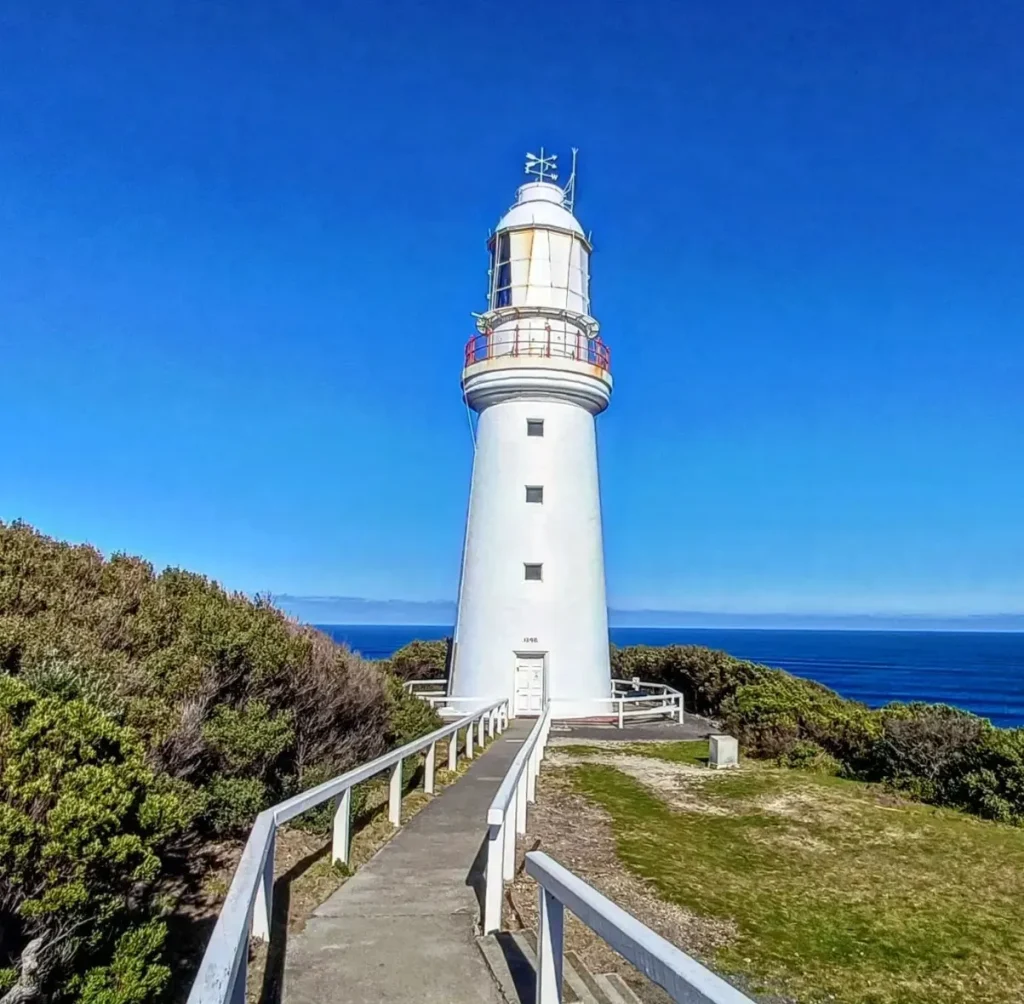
(82, 822)
(226, 693)
(992, 786)
(772, 715)
(804, 755)
(421, 660)
(705, 677)
(922, 748)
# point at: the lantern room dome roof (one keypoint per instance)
(540, 203)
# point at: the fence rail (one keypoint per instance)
(683, 978)
(506, 817)
(247, 908)
(637, 699)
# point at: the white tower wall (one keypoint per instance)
(532, 619)
(501, 613)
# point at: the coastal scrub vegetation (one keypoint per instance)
(932, 752)
(145, 716)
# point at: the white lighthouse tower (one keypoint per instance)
(532, 620)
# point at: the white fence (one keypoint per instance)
(507, 816)
(636, 699)
(247, 907)
(683, 978)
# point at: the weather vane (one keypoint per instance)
(543, 166)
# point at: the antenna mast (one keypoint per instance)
(570, 187)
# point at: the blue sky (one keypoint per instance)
(240, 244)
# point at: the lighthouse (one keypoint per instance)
(532, 620)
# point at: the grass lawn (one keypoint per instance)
(838, 891)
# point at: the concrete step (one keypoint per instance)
(512, 959)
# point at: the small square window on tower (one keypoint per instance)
(533, 573)
(535, 493)
(535, 426)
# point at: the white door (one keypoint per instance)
(529, 684)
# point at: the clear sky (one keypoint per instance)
(240, 243)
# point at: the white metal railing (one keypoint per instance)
(683, 978)
(247, 907)
(507, 816)
(659, 699)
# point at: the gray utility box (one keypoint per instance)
(725, 752)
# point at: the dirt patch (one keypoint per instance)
(677, 784)
(578, 834)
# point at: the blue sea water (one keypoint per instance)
(980, 671)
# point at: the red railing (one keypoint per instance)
(539, 343)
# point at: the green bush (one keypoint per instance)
(992, 785)
(421, 660)
(705, 677)
(770, 716)
(410, 717)
(167, 710)
(82, 824)
(805, 755)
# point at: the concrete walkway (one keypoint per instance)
(403, 927)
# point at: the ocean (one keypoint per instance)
(980, 671)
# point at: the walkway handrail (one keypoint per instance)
(519, 786)
(247, 907)
(659, 960)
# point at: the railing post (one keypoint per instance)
(453, 750)
(428, 769)
(620, 712)
(480, 731)
(493, 886)
(680, 709)
(261, 909)
(508, 829)
(521, 793)
(532, 769)
(469, 741)
(342, 824)
(395, 795)
(490, 723)
(549, 949)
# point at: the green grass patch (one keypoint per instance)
(838, 891)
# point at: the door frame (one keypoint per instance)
(518, 654)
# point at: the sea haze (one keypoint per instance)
(977, 670)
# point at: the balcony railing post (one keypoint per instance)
(395, 795)
(261, 910)
(342, 824)
(549, 949)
